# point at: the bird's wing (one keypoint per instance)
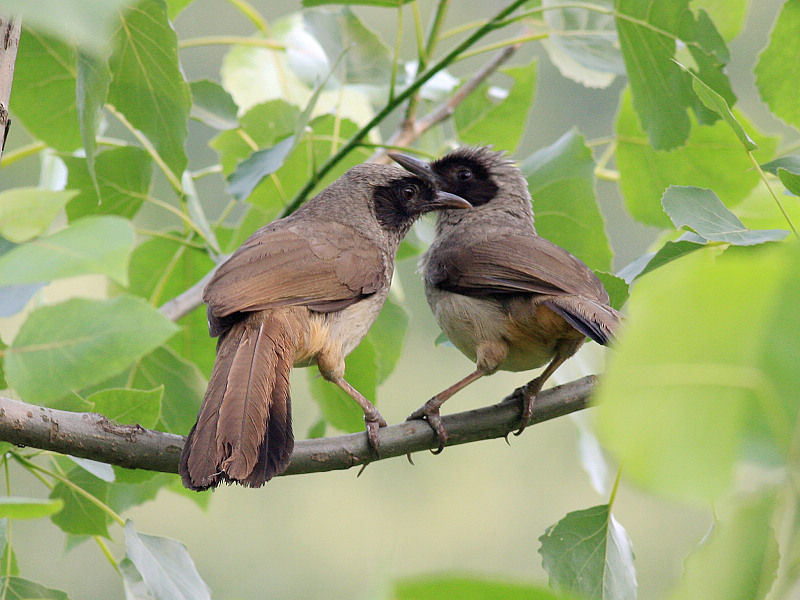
(326, 267)
(510, 264)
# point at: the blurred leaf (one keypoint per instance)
(27, 212)
(161, 269)
(16, 507)
(132, 582)
(588, 552)
(341, 33)
(737, 561)
(681, 369)
(103, 337)
(17, 588)
(561, 181)
(661, 90)
(148, 86)
(717, 103)
(728, 15)
(197, 213)
(184, 387)
(776, 71)
(701, 211)
(89, 23)
(616, 287)
(90, 245)
(591, 455)
(361, 371)
(442, 340)
(176, 6)
(583, 44)
(787, 168)
(461, 587)
(212, 105)
(387, 335)
(258, 165)
(758, 210)
(479, 120)
(124, 495)
(100, 470)
(43, 95)
(81, 516)
(165, 566)
(712, 158)
(123, 179)
(13, 298)
(129, 406)
(91, 86)
(383, 3)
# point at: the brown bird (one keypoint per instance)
(505, 297)
(301, 290)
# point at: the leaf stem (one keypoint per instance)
(773, 194)
(23, 152)
(230, 40)
(402, 97)
(613, 495)
(503, 44)
(75, 488)
(249, 11)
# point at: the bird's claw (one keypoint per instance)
(432, 416)
(527, 411)
(373, 425)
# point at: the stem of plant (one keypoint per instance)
(772, 193)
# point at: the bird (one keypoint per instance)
(301, 290)
(505, 297)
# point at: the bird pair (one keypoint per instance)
(306, 288)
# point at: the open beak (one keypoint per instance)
(417, 167)
(444, 200)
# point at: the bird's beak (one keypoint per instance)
(444, 200)
(417, 167)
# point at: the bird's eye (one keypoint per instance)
(409, 192)
(464, 174)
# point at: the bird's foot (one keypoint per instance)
(528, 393)
(374, 423)
(430, 413)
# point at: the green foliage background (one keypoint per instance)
(142, 150)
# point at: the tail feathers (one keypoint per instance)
(593, 319)
(244, 430)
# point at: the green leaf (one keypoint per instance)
(717, 103)
(681, 369)
(787, 168)
(88, 23)
(583, 44)
(387, 335)
(165, 566)
(129, 406)
(91, 86)
(148, 86)
(135, 487)
(43, 94)
(561, 182)
(28, 212)
(17, 507)
(18, 588)
(90, 245)
(258, 165)
(661, 90)
(178, 267)
(212, 105)
(776, 71)
(461, 587)
(728, 15)
(184, 386)
(100, 470)
(738, 560)
(480, 120)
(132, 582)
(616, 287)
(176, 6)
(588, 552)
(123, 180)
(667, 253)
(701, 211)
(712, 158)
(81, 516)
(81, 342)
(382, 3)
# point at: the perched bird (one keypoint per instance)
(301, 290)
(505, 297)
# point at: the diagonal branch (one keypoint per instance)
(91, 435)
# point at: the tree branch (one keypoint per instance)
(10, 30)
(91, 435)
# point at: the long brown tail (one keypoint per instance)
(243, 432)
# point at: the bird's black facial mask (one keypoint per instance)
(465, 176)
(398, 205)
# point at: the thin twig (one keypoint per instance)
(91, 435)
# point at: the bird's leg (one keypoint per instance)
(533, 387)
(372, 417)
(430, 410)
